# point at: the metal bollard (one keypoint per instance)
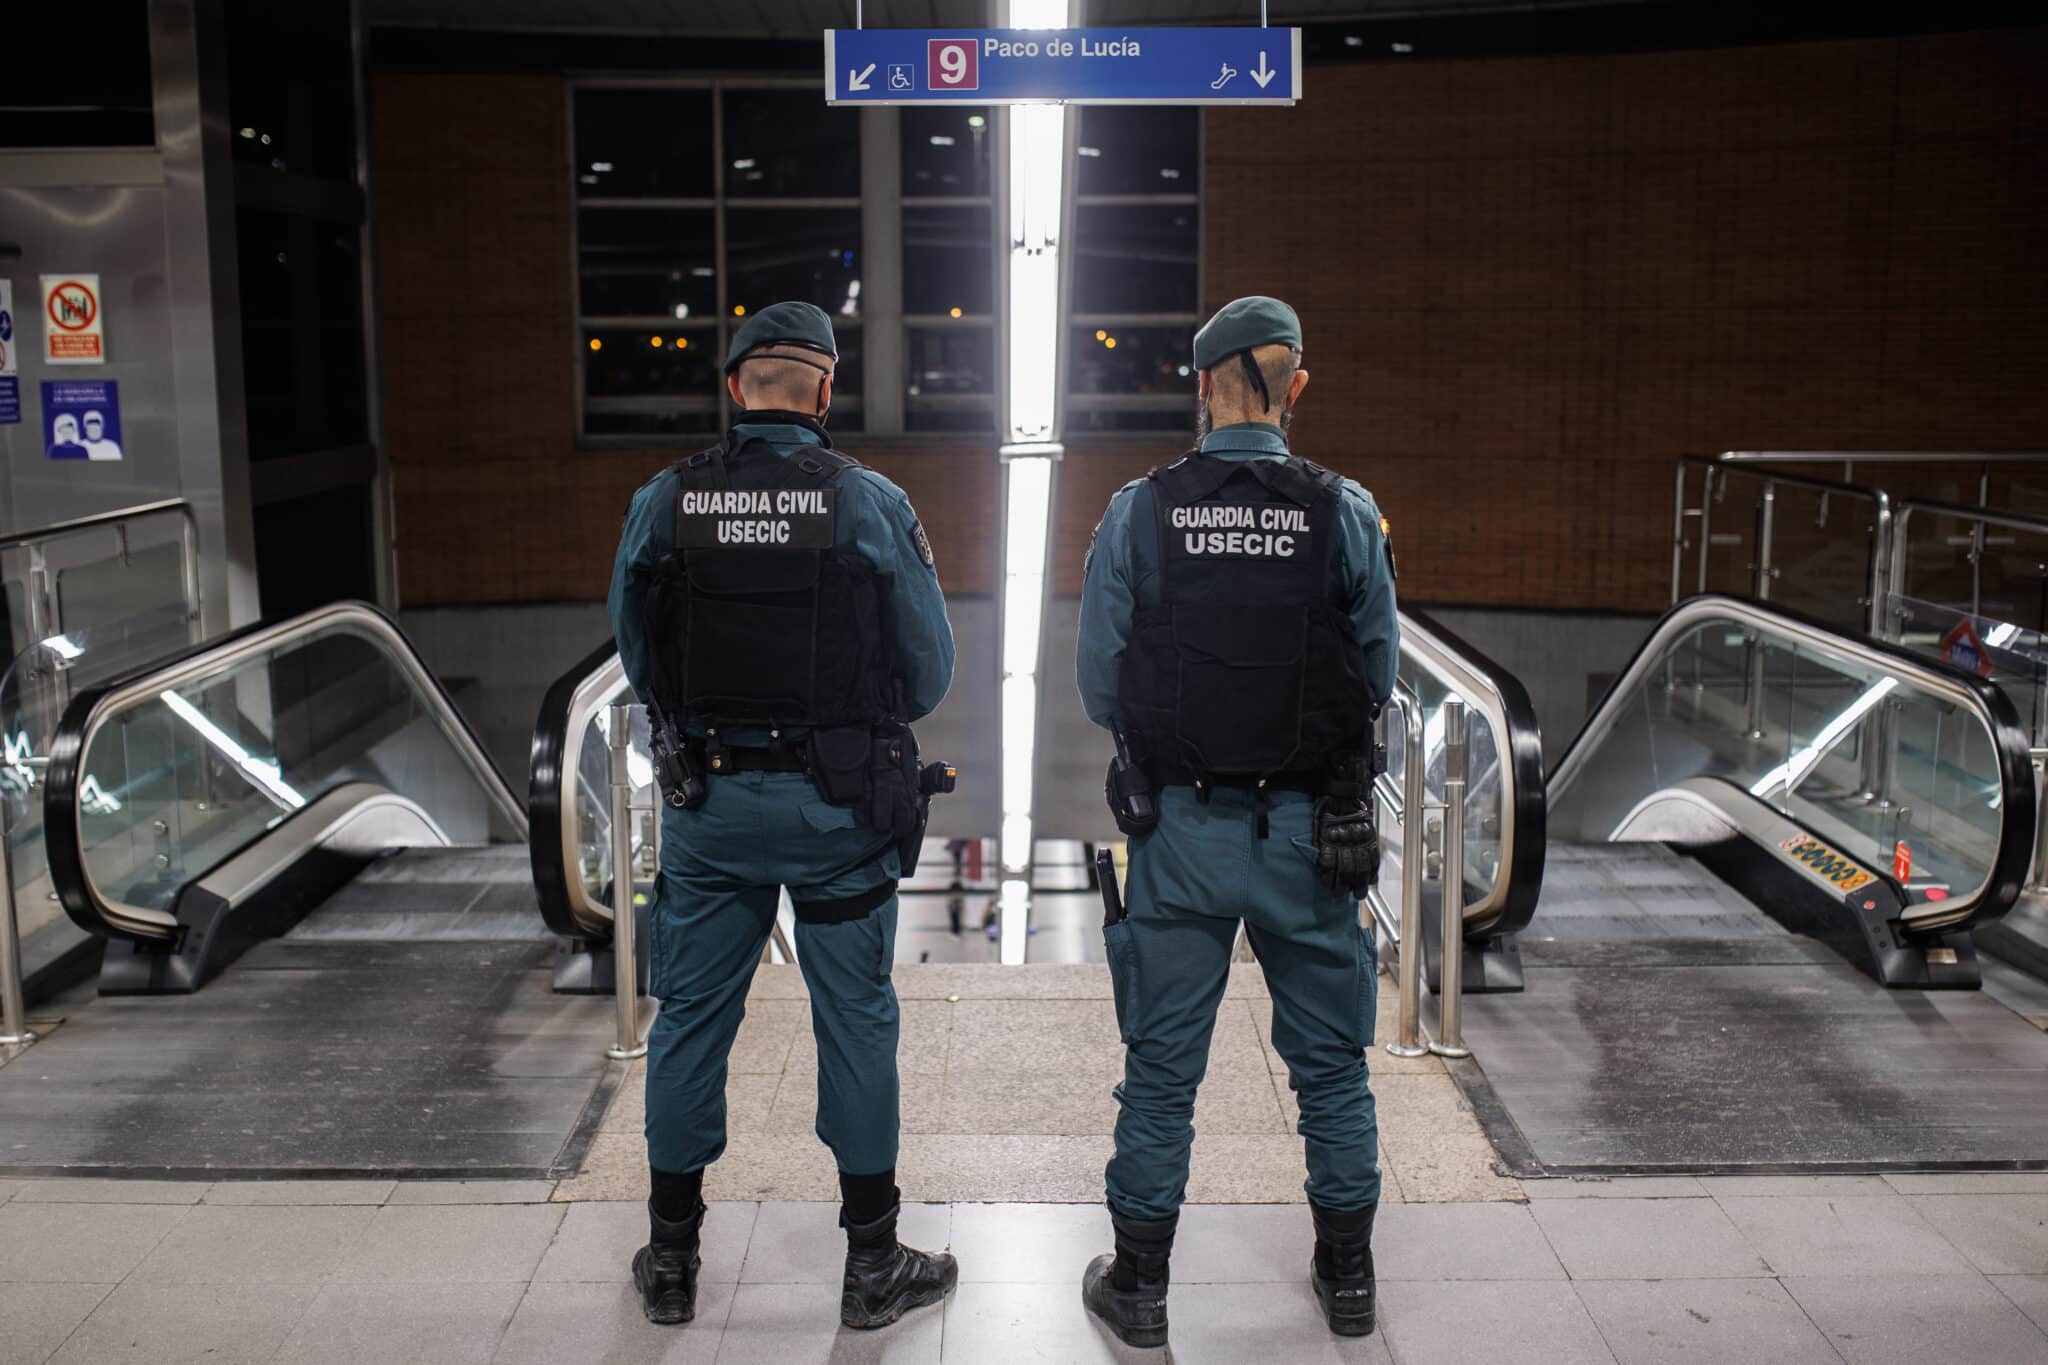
(1450, 1041)
(14, 1029)
(1407, 1041)
(625, 962)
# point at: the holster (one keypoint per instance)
(678, 763)
(875, 772)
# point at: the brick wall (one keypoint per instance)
(1528, 285)
(495, 502)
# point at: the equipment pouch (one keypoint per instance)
(1132, 800)
(841, 759)
(894, 798)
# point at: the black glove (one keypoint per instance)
(1347, 846)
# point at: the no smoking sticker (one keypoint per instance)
(73, 321)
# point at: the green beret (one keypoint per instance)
(783, 324)
(1242, 324)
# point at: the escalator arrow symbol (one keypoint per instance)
(1265, 74)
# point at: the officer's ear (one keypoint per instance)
(732, 386)
(1204, 385)
(1295, 386)
(825, 393)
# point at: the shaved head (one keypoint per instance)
(1230, 396)
(784, 378)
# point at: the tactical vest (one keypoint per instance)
(756, 617)
(1247, 671)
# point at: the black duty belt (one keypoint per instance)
(1172, 775)
(743, 759)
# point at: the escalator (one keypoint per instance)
(1766, 853)
(1863, 796)
(307, 780)
(325, 953)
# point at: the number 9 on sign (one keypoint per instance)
(954, 64)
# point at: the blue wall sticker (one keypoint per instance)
(82, 419)
(10, 384)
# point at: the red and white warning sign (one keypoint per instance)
(1902, 861)
(74, 323)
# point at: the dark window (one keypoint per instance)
(951, 360)
(812, 255)
(625, 362)
(98, 97)
(1139, 150)
(947, 150)
(291, 87)
(1135, 258)
(690, 275)
(643, 143)
(1131, 360)
(950, 379)
(948, 261)
(786, 144)
(1137, 270)
(303, 365)
(647, 262)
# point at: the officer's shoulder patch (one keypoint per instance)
(924, 544)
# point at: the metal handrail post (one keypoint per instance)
(625, 962)
(1407, 1041)
(1766, 525)
(1450, 1040)
(14, 1029)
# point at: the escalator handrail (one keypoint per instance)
(92, 709)
(1980, 696)
(1500, 697)
(552, 777)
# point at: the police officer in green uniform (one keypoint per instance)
(775, 604)
(1238, 635)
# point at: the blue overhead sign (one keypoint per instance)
(1063, 66)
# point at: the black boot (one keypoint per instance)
(1341, 1273)
(884, 1278)
(665, 1270)
(1127, 1290)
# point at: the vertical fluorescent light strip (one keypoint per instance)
(1037, 189)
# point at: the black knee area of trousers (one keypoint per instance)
(675, 1195)
(867, 1198)
(844, 909)
(1144, 1248)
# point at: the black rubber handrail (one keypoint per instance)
(1521, 758)
(64, 847)
(554, 749)
(2008, 873)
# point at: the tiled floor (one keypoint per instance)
(1900, 1268)
(1007, 1076)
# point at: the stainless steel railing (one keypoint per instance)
(1409, 804)
(46, 620)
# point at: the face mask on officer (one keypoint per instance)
(779, 381)
(1240, 385)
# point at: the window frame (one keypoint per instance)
(719, 327)
(991, 404)
(1173, 409)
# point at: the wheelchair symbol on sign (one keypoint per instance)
(900, 77)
